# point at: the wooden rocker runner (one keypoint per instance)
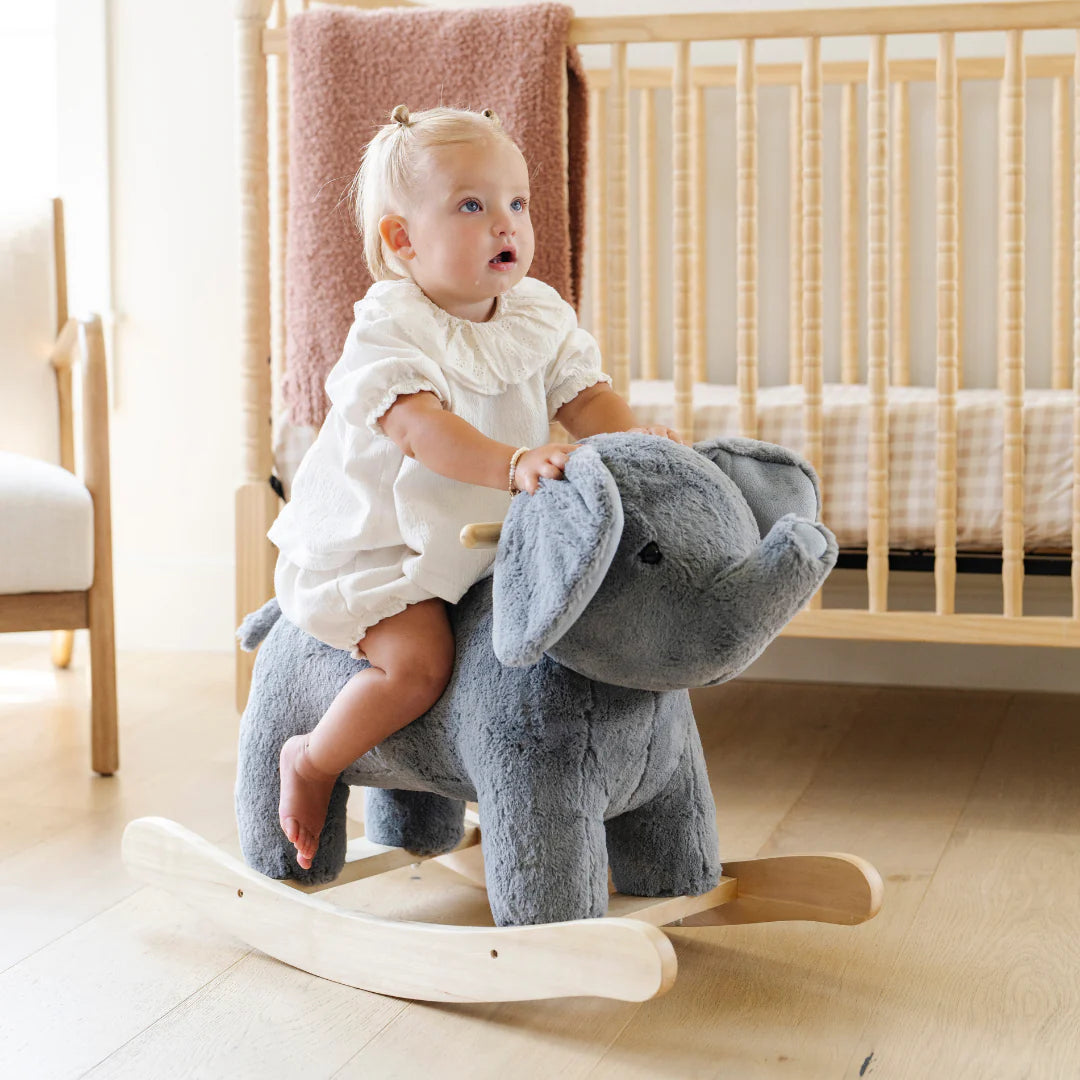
(624, 956)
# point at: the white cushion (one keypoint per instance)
(46, 528)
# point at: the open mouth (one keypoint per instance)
(504, 256)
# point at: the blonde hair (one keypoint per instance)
(390, 168)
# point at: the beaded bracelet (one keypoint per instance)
(513, 468)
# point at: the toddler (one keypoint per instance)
(440, 407)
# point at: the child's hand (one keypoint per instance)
(665, 432)
(549, 461)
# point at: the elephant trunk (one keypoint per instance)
(755, 600)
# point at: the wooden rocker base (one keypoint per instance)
(624, 956)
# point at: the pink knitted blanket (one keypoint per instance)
(348, 69)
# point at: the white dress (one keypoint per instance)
(368, 530)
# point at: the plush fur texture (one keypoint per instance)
(651, 568)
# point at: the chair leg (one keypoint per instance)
(62, 643)
(104, 742)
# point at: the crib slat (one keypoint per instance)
(812, 264)
(849, 236)
(746, 345)
(618, 225)
(598, 262)
(1012, 292)
(255, 256)
(682, 359)
(948, 212)
(812, 249)
(1059, 289)
(279, 204)
(256, 503)
(681, 345)
(795, 281)
(959, 226)
(647, 341)
(698, 187)
(1076, 336)
(877, 318)
(901, 238)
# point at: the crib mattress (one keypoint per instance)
(1048, 453)
(1048, 457)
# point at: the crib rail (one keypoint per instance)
(262, 37)
(888, 262)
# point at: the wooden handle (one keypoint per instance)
(481, 534)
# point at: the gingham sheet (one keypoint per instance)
(1048, 457)
(1048, 450)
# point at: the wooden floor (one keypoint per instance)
(968, 803)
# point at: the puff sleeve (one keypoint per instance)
(379, 363)
(575, 368)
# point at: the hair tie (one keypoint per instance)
(401, 115)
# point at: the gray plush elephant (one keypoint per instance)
(651, 568)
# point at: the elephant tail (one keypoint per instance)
(257, 625)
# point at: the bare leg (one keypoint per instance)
(412, 657)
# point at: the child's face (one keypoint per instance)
(467, 235)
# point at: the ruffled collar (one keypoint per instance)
(521, 337)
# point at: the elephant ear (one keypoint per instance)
(554, 550)
(774, 480)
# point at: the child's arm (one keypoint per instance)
(452, 447)
(599, 409)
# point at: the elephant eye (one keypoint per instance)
(650, 553)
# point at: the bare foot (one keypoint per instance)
(305, 795)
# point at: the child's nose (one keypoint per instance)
(502, 226)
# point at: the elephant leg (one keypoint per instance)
(264, 844)
(544, 854)
(669, 846)
(421, 822)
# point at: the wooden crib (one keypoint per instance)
(261, 42)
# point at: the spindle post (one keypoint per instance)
(948, 212)
(959, 230)
(812, 263)
(256, 503)
(647, 340)
(1012, 291)
(900, 326)
(812, 250)
(877, 346)
(849, 236)
(1061, 232)
(279, 206)
(598, 258)
(747, 268)
(795, 225)
(618, 228)
(698, 188)
(1076, 338)
(682, 358)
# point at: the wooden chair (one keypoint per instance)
(56, 525)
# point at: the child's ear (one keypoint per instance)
(393, 230)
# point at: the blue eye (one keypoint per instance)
(470, 202)
(518, 205)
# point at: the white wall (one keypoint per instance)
(176, 430)
(174, 285)
(28, 418)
